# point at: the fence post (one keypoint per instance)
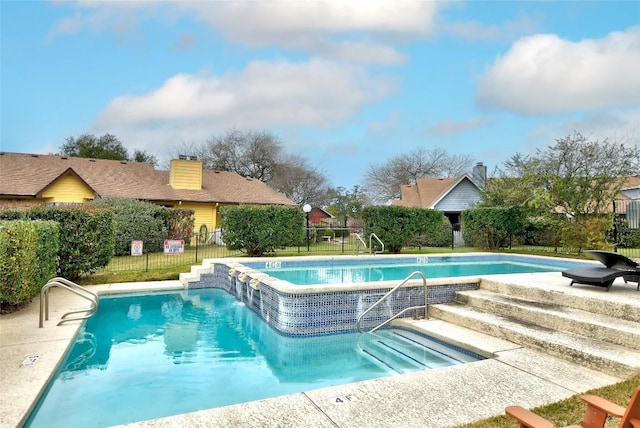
(615, 227)
(197, 246)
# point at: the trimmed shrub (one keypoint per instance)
(261, 230)
(27, 260)
(438, 236)
(399, 226)
(143, 221)
(86, 240)
(492, 227)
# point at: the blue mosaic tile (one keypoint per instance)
(323, 313)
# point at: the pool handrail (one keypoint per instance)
(75, 289)
(373, 235)
(358, 242)
(389, 293)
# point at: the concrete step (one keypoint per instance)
(603, 356)
(404, 351)
(624, 305)
(555, 316)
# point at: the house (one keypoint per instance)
(631, 188)
(28, 180)
(449, 195)
(319, 216)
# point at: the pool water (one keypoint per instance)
(149, 356)
(327, 273)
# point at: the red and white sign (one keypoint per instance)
(173, 247)
(136, 248)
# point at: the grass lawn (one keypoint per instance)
(571, 410)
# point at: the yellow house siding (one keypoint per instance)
(203, 213)
(68, 189)
(185, 174)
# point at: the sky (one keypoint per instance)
(346, 84)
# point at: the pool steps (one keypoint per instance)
(403, 351)
(604, 336)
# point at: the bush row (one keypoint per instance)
(398, 226)
(144, 221)
(261, 230)
(492, 228)
(29, 250)
(86, 236)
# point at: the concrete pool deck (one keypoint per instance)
(444, 397)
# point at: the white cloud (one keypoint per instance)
(350, 30)
(544, 74)
(281, 21)
(264, 95)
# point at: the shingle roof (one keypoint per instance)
(29, 175)
(426, 192)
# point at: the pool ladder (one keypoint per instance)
(75, 289)
(402, 312)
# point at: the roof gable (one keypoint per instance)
(428, 192)
(68, 173)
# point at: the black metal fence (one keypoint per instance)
(160, 254)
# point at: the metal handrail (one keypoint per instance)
(360, 240)
(373, 235)
(389, 293)
(75, 289)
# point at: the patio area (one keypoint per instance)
(445, 397)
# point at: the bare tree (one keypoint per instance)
(252, 154)
(259, 155)
(383, 180)
(299, 181)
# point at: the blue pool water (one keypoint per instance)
(148, 356)
(330, 272)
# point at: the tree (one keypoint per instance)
(579, 175)
(142, 156)
(106, 146)
(347, 204)
(90, 146)
(299, 181)
(576, 176)
(383, 180)
(252, 154)
(259, 155)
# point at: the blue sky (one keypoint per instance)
(346, 84)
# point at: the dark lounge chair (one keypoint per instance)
(615, 266)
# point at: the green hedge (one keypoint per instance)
(86, 239)
(143, 221)
(493, 227)
(28, 252)
(261, 230)
(400, 226)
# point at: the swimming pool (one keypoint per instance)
(394, 270)
(312, 307)
(147, 356)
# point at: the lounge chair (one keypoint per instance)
(615, 266)
(595, 416)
